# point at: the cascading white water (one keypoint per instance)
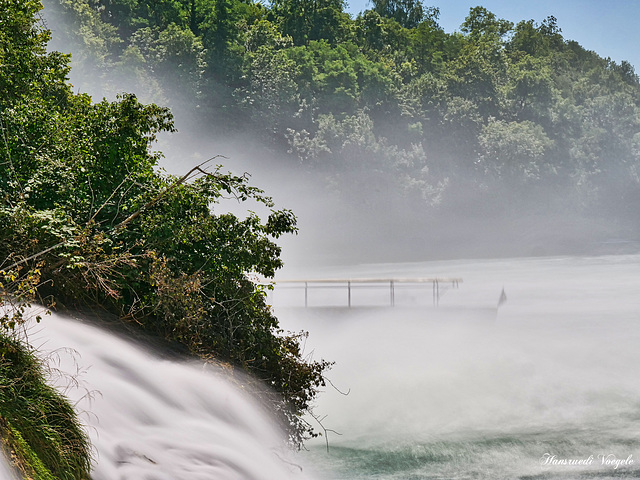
(6, 472)
(547, 387)
(154, 419)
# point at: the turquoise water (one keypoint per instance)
(545, 387)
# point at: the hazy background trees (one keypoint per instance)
(492, 124)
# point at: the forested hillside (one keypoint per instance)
(498, 118)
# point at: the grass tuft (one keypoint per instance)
(39, 428)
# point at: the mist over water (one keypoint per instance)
(464, 390)
(458, 392)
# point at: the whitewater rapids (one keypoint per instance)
(151, 418)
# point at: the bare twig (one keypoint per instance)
(287, 461)
(159, 197)
(337, 389)
(108, 199)
(35, 255)
(324, 429)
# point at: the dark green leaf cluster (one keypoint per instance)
(86, 220)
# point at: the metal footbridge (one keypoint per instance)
(436, 286)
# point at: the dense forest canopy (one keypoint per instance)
(495, 117)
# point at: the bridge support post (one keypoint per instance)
(392, 293)
(436, 293)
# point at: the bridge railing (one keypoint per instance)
(438, 285)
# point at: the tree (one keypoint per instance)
(408, 13)
(272, 97)
(85, 212)
(515, 151)
(482, 24)
(428, 44)
(530, 87)
(27, 69)
(283, 70)
(479, 69)
(307, 20)
(174, 57)
(477, 75)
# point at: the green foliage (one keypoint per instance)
(408, 13)
(26, 67)
(95, 42)
(87, 220)
(530, 87)
(307, 20)
(271, 96)
(515, 150)
(175, 57)
(18, 289)
(481, 24)
(37, 424)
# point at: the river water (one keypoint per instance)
(547, 386)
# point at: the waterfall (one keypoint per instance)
(6, 472)
(156, 419)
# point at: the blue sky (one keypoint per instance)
(610, 28)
